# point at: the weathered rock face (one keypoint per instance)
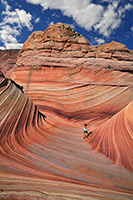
(71, 83)
(8, 60)
(59, 45)
(56, 37)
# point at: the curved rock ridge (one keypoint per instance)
(58, 84)
(114, 138)
(79, 94)
(74, 88)
(49, 152)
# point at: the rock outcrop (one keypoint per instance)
(58, 84)
(59, 45)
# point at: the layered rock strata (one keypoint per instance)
(114, 138)
(45, 156)
(63, 74)
(59, 45)
(59, 83)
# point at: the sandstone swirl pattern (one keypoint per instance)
(114, 138)
(71, 96)
(67, 83)
(41, 157)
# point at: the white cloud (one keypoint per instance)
(13, 45)
(85, 13)
(51, 23)
(89, 16)
(6, 5)
(99, 40)
(122, 10)
(109, 21)
(13, 22)
(24, 18)
(2, 48)
(55, 15)
(104, 18)
(37, 20)
(128, 6)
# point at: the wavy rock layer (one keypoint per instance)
(75, 94)
(42, 151)
(114, 138)
(46, 157)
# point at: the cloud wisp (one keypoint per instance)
(13, 22)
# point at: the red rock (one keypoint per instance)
(39, 154)
(7, 60)
(114, 138)
(59, 42)
(71, 83)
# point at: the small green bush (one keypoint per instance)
(109, 67)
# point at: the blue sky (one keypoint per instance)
(100, 21)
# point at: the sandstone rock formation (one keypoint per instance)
(45, 156)
(60, 45)
(67, 83)
(114, 138)
(7, 60)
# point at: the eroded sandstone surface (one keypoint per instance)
(58, 84)
(8, 59)
(59, 45)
